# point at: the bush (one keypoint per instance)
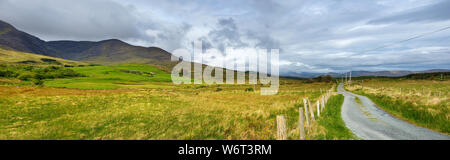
(200, 86)
(326, 78)
(39, 76)
(56, 72)
(38, 82)
(8, 74)
(249, 90)
(219, 89)
(51, 61)
(26, 76)
(308, 81)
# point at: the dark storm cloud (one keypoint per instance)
(67, 19)
(226, 34)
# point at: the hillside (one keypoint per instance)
(11, 38)
(111, 51)
(16, 57)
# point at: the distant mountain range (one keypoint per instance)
(111, 51)
(114, 51)
(364, 73)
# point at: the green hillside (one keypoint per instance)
(113, 77)
(16, 57)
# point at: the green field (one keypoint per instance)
(114, 76)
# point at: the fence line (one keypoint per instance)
(302, 116)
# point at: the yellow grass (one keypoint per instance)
(408, 90)
(10, 56)
(179, 112)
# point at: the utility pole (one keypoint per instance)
(345, 77)
(362, 84)
(350, 76)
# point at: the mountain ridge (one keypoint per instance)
(394, 73)
(110, 51)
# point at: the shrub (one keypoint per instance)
(7, 74)
(200, 86)
(56, 72)
(28, 68)
(38, 82)
(249, 90)
(50, 61)
(25, 76)
(39, 76)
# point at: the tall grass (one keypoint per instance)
(434, 117)
(422, 102)
(330, 125)
(179, 112)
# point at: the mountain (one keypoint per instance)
(392, 73)
(436, 70)
(381, 73)
(110, 51)
(362, 73)
(11, 38)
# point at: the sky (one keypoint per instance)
(311, 35)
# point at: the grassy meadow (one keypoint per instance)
(140, 102)
(330, 125)
(422, 102)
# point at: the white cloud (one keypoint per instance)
(340, 43)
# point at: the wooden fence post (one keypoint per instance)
(306, 112)
(281, 128)
(362, 84)
(323, 103)
(318, 109)
(301, 125)
(311, 111)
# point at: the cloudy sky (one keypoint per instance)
(313, 36)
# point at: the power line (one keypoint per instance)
(409, 39)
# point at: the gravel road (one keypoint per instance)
(369, 122)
